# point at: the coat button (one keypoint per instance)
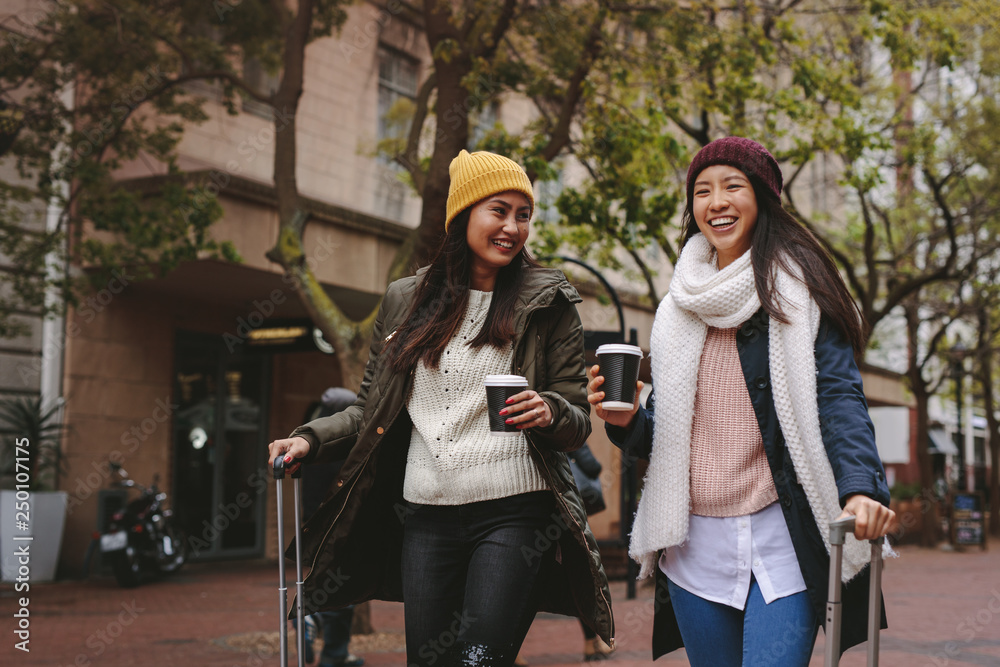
(760, 383)
(340, 482)
(786, 501)
(380, 430)
(746, 330)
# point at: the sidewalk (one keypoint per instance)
(943, 608)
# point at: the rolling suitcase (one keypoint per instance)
(838, 531)
(279, 476)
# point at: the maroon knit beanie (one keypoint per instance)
(745, 154)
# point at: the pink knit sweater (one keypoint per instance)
(729, 471)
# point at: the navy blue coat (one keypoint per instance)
(849, 438)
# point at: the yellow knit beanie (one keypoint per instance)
(476, 176)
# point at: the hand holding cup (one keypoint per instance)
(513, 407)
(595, 395)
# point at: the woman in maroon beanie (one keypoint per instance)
(761, 436)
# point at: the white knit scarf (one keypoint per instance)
(701, 296)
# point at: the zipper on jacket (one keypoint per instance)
(348, 496)
(364, 465)
(562, 502)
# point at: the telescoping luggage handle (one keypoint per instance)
(300, 634)
(838, 531)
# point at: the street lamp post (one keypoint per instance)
(957, 374)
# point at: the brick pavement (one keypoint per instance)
(944, 609)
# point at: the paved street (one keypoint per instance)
(944, 609)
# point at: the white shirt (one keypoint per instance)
(720, 554)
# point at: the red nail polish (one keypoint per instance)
(508, 401)
(504, 411)
(509, 421)
(288, 459)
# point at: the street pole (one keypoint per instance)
(957, 374)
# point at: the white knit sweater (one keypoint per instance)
(453, 459)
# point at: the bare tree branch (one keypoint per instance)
(646, 274)
(409, 158)
(560, 133)
(488, 47)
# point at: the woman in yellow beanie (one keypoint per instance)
(473, 532)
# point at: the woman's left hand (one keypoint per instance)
(872, 519)
(534, 411)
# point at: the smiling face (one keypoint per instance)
(725, 208)
(498, 229)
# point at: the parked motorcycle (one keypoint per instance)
(142, 538)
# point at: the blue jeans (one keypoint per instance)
(781, 634)
(469, 578)
(336, 635)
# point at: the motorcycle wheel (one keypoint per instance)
(175, 561)
(125, 565)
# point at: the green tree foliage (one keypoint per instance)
(87, 89)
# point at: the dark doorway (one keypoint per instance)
(219, 447)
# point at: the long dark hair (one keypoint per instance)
(779, 240)
(442, 297)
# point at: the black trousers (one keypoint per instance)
(469, 585)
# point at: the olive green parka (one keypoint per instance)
(353, 541)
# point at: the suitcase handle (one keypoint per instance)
(840, 528)
(278, 471)
(838, 534)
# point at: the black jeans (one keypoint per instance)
(470, 589)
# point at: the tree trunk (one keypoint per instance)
(451, 108)
(349, 339)
(985, 358)
(929, 503)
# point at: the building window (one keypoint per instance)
(397, 92)
(548, 194)
(210, 89)
(258, 78)
(481, 122)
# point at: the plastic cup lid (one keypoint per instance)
(506, 380)
(620, 348)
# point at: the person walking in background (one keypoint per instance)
(587, 475)
(760, 435)
(335, 625)
(431, 508)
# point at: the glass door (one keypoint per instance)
(219, 447)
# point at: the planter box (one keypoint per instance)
(46, 519)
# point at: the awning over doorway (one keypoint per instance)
(941, 443)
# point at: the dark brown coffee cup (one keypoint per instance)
(498, 389)
(620, 367)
